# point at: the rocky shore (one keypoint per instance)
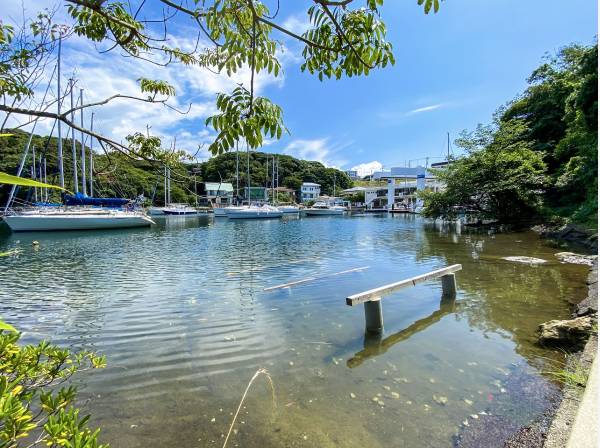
(570, 233)
(579, 335)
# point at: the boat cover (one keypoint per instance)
(81, 199)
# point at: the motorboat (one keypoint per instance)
(179, 209)
(253, 212)
(75, 219)
(288, 209)
(322, 209)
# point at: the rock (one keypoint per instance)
(352, 395)
(395, 395)
(440, 399)
(469, 402)
(526, 260)
(571, 334)
(573, 258)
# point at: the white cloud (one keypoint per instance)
(319, 150)
(297, 23)
(367, 168)
(104, 75)
(425, 109)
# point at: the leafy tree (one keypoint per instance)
(551, 127)
(501, 177)
(36, 407)
(345, 38)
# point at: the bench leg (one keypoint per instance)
(449, 285)
(374, 316)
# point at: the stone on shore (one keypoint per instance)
(573, 258)
(571, 334)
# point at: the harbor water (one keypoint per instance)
(187, 311)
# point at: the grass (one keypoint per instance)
(570, 373)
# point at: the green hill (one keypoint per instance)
(117, 175)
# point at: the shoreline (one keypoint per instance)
(552, 429)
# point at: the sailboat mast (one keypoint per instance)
(73, 150)
(26, 151)
(33, 174)
(237, 173)
(83, 180)
(248, 170)
(165, 185)
(448, 148)
(273, 179)
(92, 157)
(45, 181)
(61, 166)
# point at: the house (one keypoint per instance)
(403, 183)
(218, 192)
(310, 191)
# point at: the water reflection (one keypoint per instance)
(375, 344)
(182, 314)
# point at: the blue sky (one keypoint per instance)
(453, 70)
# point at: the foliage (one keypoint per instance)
(36, 407)
(345, 38)
(244, 117)
(116, 175)
(358, 197)
(539, 158)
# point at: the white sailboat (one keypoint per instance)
(179, 210)
(253, 212)
(70, 217)
(75, 219)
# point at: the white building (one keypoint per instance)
(310, 191)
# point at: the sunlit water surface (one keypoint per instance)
(181, 313)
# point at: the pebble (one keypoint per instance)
(431, 380)
(395, 395)
(401, 380)
(133, 426)
(440, 399)
(387, 388)
(352, 395)
(409, 402)
(472, 364)
(426, 407)
(466, 423)
(212, 420)
(474, 416)
(291, 363)
(469, 402)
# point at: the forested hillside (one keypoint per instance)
(538, 160)
(120, 176)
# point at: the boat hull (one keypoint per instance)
(180, 212)
(39, 223)
(253, 214)
(324, 212)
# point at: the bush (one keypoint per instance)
(36, 405)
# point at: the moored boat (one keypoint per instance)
(253, 212)
(322, 209)
(179, 209)
(288, 208)
(75, 219)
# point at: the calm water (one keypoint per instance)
(181, 312)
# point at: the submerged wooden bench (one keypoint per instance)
(372, 298)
